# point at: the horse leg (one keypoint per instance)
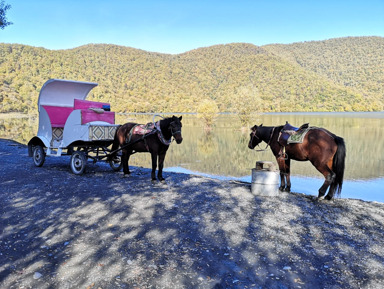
(288, 186)
(329, 176)
(288, 175)
(154, 165)
(332, 189)
(125, 159)
(280, 162)
(285, 179)
(161, 165)
(324, 187)
(282, 181)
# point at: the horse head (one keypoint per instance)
(254, 138)
(175, 128)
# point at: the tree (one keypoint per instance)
(3, 17)
(246, 101)
(207, 111)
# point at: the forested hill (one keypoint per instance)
(344, 74)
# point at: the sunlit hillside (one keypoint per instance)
(344, 74)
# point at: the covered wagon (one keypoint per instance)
(71, 125)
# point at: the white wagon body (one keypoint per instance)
(69, 122)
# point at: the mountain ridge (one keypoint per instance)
(340, 74)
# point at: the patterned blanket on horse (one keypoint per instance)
(290, 134)
(298, 137)
(146, 129)
(143, 129)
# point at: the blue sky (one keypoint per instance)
(177, 26)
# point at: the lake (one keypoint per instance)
(223, 153)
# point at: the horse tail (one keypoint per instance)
(116, 143)
(338, 165)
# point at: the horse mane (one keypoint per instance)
(165, 122)
(279, 128)
(276, 131)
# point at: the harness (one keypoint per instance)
(160, 135)
(140, 129)
(281, 155)
(270, 138)
(147, 130)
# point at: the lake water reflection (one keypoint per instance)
(224, 151)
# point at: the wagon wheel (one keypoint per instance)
(116, 163)
(38, 156)
(78, 162)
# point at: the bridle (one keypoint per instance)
(174, 132)
(269, 141)
(254, 135)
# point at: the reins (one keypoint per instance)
(269, 141)
(172, 132)
(282, 154)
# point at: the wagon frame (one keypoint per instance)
(71, 125)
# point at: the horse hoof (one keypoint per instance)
(288, 190)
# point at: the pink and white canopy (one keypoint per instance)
(59, 92)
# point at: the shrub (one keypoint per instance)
(207, 112)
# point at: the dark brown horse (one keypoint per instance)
(156, 142)
(322, 148)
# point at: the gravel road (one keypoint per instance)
(103, 230)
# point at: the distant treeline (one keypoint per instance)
(343, 74)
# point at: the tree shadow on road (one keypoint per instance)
(104, 230)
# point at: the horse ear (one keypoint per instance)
(261, 125)
(180, 118)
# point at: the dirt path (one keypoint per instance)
(101, 230)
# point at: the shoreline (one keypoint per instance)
(307, 185)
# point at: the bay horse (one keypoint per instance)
(323, 149)
(156, 142)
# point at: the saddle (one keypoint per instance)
(141, 129)
(147, 129)
(290, 134)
